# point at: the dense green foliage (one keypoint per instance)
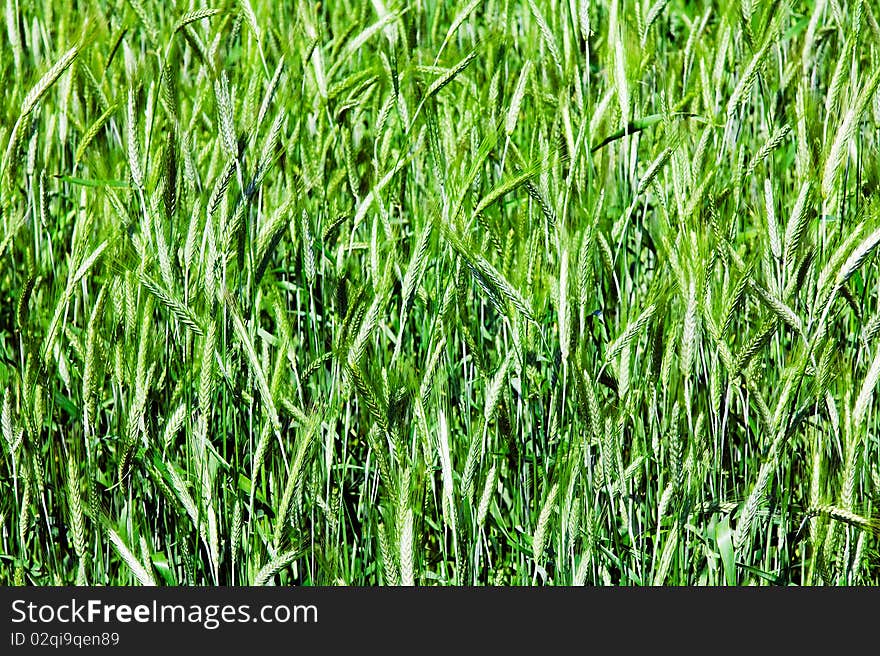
(488, 292)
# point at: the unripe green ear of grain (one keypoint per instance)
(461, 293)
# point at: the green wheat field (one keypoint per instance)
(499, 292)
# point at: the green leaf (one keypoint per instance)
(724, 540)
(636, 126)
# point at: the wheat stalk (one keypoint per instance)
(407, 573)
(538, 540)
(517, 98)
(34, 96)
(632, 330)
(274, 565)
(867, 391)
